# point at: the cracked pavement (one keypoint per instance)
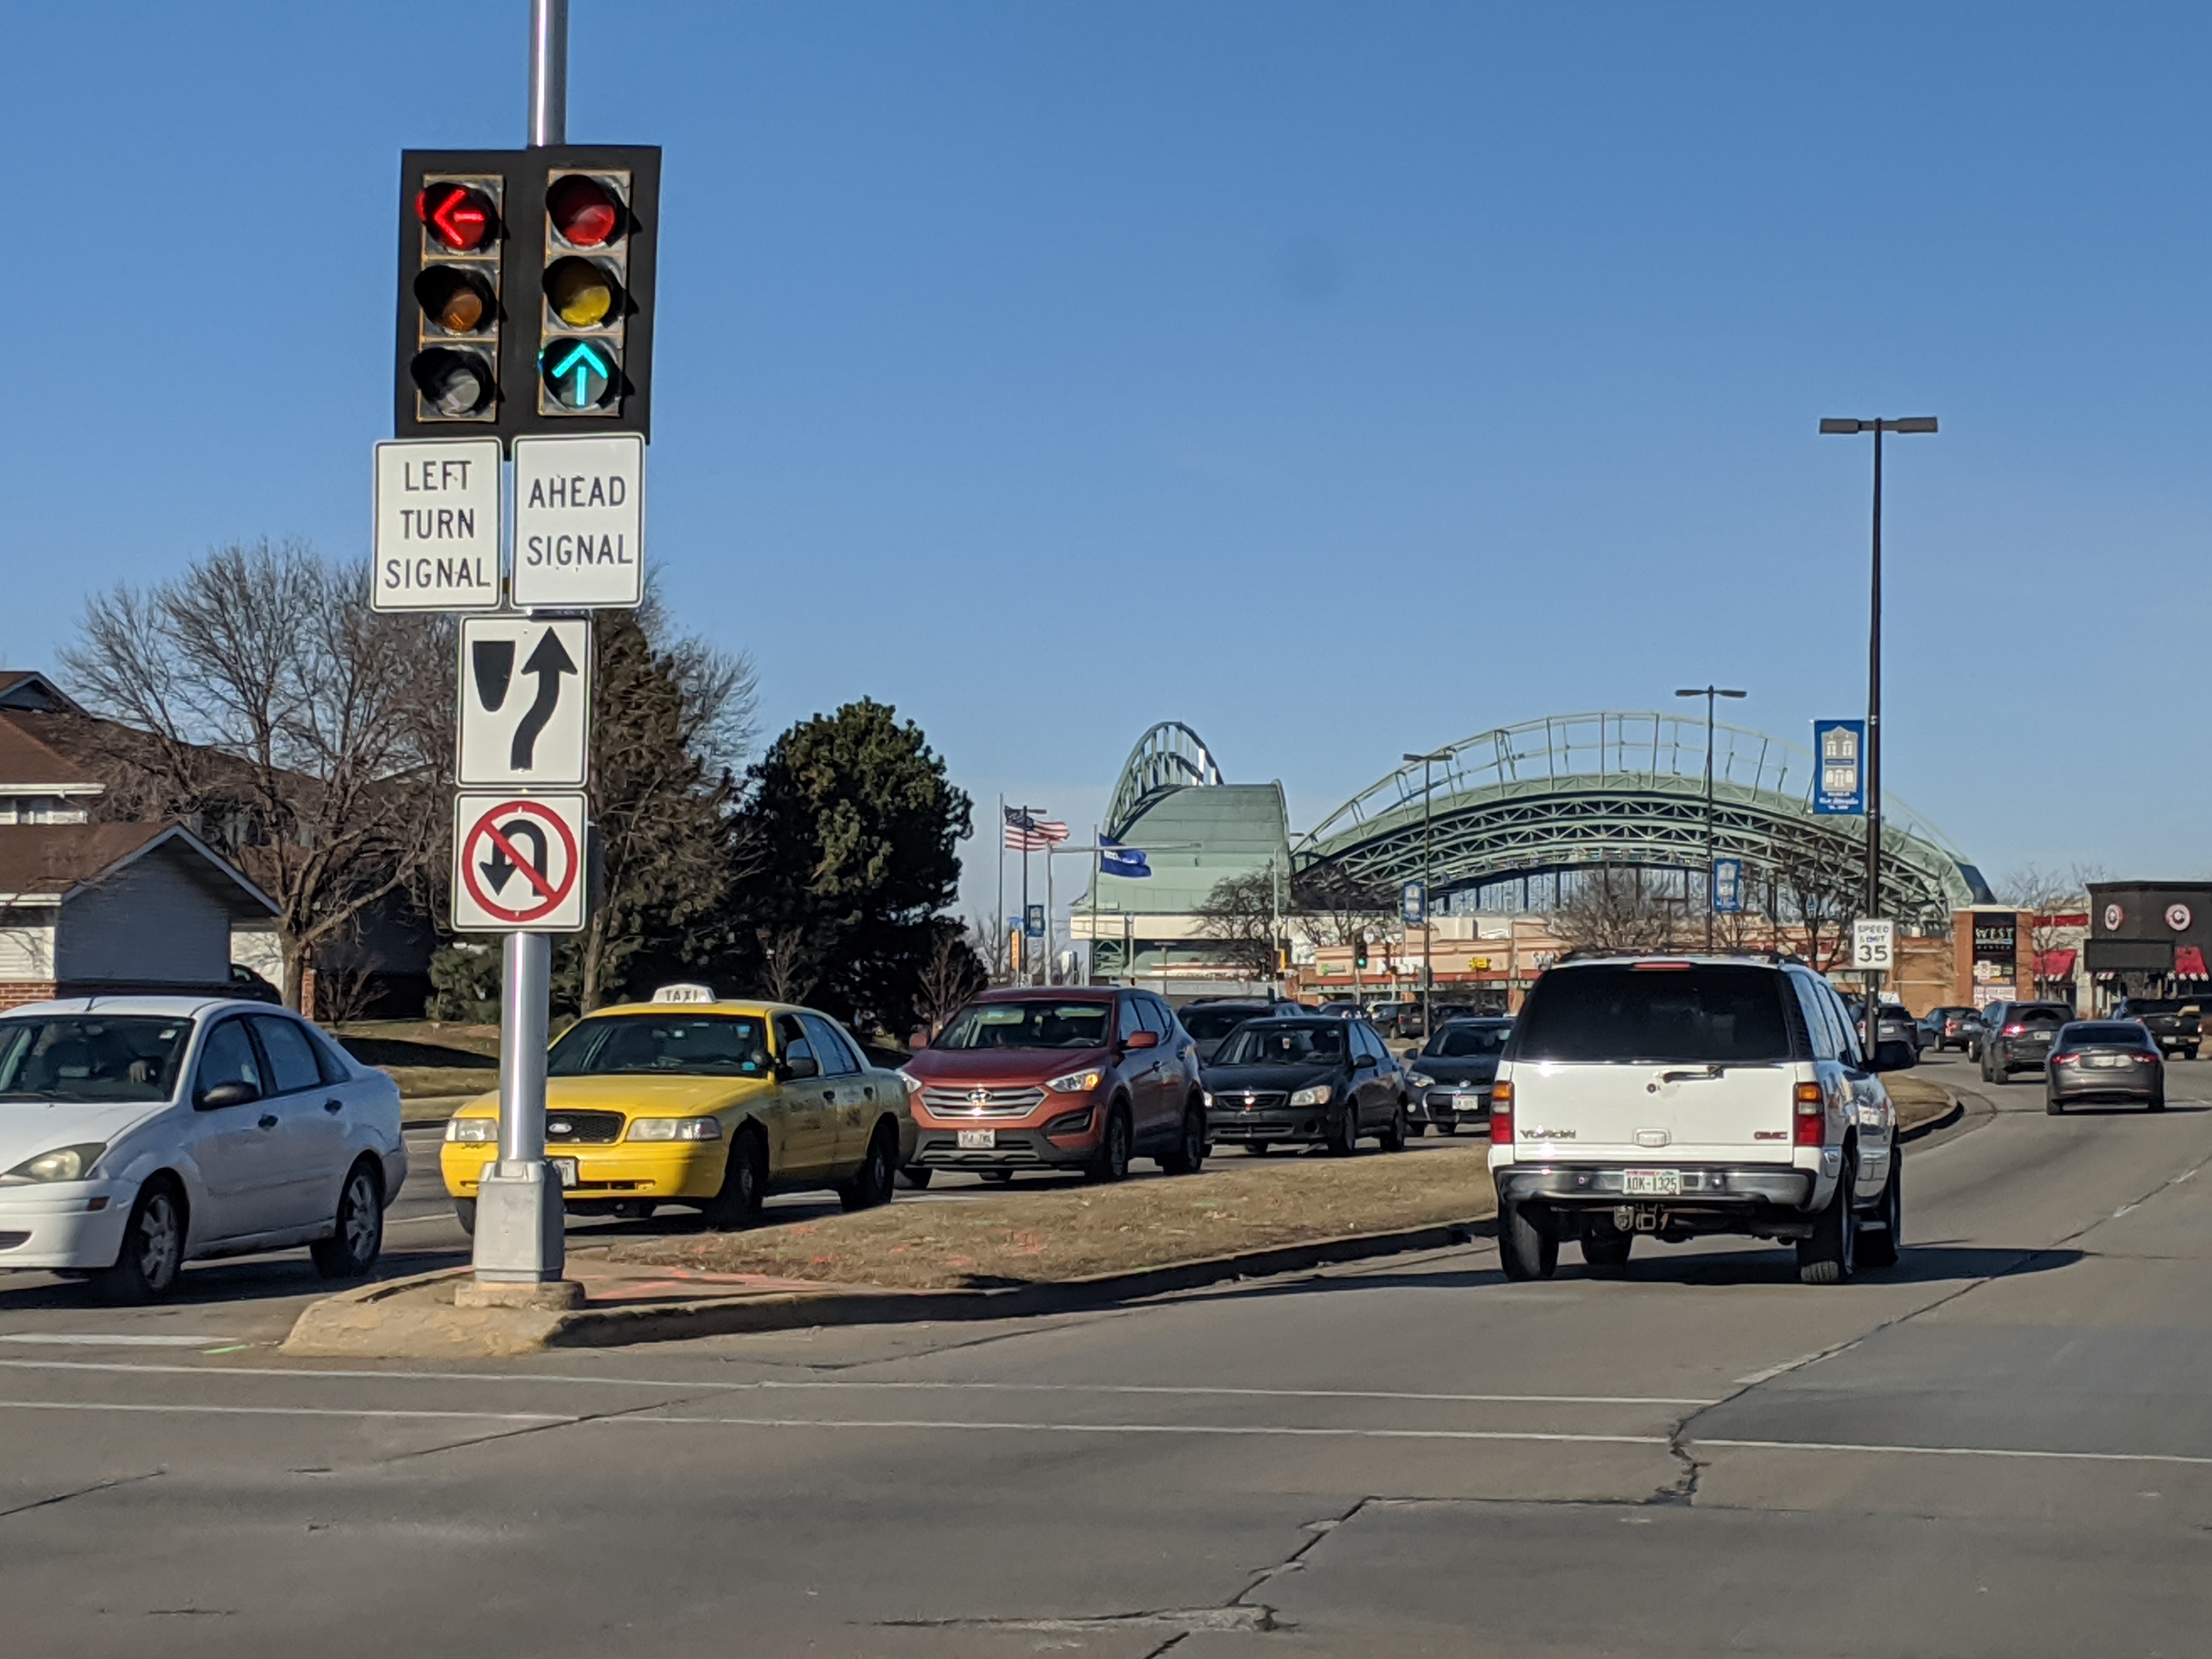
(2002, 1447)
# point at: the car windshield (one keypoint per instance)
(1207, 1024)
(2114, 1034)
(693, 1045)
(1703, 1014)
(1270, 1042)
(1029, 1023)
(85, 1057)
(1467, 1041)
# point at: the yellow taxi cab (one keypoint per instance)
(689, 1100)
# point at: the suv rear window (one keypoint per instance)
(1207, 1024)
(1703, 1012)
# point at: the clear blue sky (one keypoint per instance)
(1340, 379)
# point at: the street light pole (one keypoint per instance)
(1709, 692)
(1428, 926)
(1846, 428)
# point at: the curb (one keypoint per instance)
(1957, 1112)
(352, 1324)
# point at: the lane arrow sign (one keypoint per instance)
(549, 662)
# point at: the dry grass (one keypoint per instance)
(1238, 1204)
(426, 1059)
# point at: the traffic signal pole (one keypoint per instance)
(521, 1248)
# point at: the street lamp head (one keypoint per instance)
(1690, 691)
(1843, 427)
(1735, 693)
(1914, 424)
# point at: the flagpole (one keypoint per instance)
(1097, 875)
(1049, 960)
(1029, 968)
(1000, 919)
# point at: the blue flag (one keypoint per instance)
(1115, 860)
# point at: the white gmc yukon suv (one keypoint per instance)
(1682, 1096)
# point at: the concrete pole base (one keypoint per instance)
(548, 1296)
(520, 1224)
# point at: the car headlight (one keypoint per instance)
(63, 1164)
(1317, 1096)
(1076, 1083)
(1419, 1080)
(1207, 1098)
(674, 1128)
(913, 1083)
(473, 1128)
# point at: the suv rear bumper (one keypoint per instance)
(1708, 1187)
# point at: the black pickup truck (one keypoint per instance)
(2173, 1021)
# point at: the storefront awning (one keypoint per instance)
(2054, 965)
(2188, 963)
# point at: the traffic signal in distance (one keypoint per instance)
(1359, 953)
(452, 237)
(598, 207)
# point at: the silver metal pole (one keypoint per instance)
(549, 73)
(523, 1020)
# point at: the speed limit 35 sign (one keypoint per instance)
(1874, 946)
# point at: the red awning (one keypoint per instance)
(2056, 964)
(2188, 963)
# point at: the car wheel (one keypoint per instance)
(1525, 1251)
(1112, 1163)
(358, 1240)
(465, 1211)
(1882, 1244)
(2001, 1075)
(1394, 1135)
(1343, 1139)
(1831, 1254)
(1605, 1249)
(2158, 1100)
(153, 1252)
(871, 1184)
(1189, 1154)
(2051, 1103)
(915, 1177)
(1417, 1127)
(744, 1183)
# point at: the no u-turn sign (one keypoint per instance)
(519, 863)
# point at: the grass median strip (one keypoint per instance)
(1239, 1204)
(1918, 1101)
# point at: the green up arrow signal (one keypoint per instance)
(579, 372)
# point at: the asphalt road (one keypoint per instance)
(2004, 1447)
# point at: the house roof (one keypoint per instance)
(50, 862)
(26, 688)
(27, 761)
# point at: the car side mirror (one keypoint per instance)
(1895, 1057)
(1363, 1063)
(225, 1094)
(918, 1042)
(1141, 1040)
(796, 1071)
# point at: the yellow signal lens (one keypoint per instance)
(581, 294)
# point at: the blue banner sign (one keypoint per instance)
(1728, 886)
(1839, 762)
(1413, 901)
(1036, 925)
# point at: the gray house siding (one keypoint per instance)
(153, 921)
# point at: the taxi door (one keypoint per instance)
(809, 1133)
(848, 1090)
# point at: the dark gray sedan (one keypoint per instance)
(2105, 1060)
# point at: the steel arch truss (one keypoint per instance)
(1169, 757)
(1624, 790)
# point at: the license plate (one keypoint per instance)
(2108, 1060)
(2038, 1037)
(1653, 1183)
(564, 1170)
(978, 1140)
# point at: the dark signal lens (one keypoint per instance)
(584, 211)
(458, 302)
(582, 293)
(452, 382)
(456, 217)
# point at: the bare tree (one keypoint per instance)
(987, 938)
(1242, 915)
(787, 963)
(260, 699)
(1819, 877)
(952, 975)
(2046, 895)
(1609, 909)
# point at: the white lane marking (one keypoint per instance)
(708, 1386)
(166, 1410)
(1234, 1430)
(75, 1339)
(2121, 1211)
(2186, 1175)
(1963, 1451)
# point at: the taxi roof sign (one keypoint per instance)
(685, 993)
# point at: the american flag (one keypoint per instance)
(1026, 834)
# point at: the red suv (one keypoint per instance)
(1072, 1077)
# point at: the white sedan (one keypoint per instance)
(138, 1133)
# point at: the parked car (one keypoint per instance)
(2173, 1022)
(2016, 1036)
(138, 1133)
(712, 1104)
(1079, 1078)
(1897, 1025)
(1951, 1026)
(1395, 1018)
(1677, 1097)
(2105, 1060)
(1453, 1073)
(1311, 1081)
(1211, 1019)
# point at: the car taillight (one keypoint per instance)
(1501, 1114)
(1812, 1120)
(2013, 1030)
(2146, 1060)
(2067, 1059)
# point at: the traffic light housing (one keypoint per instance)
(453, 238)
(1359, 953)
(526, 291)
(597, 209)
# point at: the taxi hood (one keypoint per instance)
(639, 1094)
(29, 1129)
